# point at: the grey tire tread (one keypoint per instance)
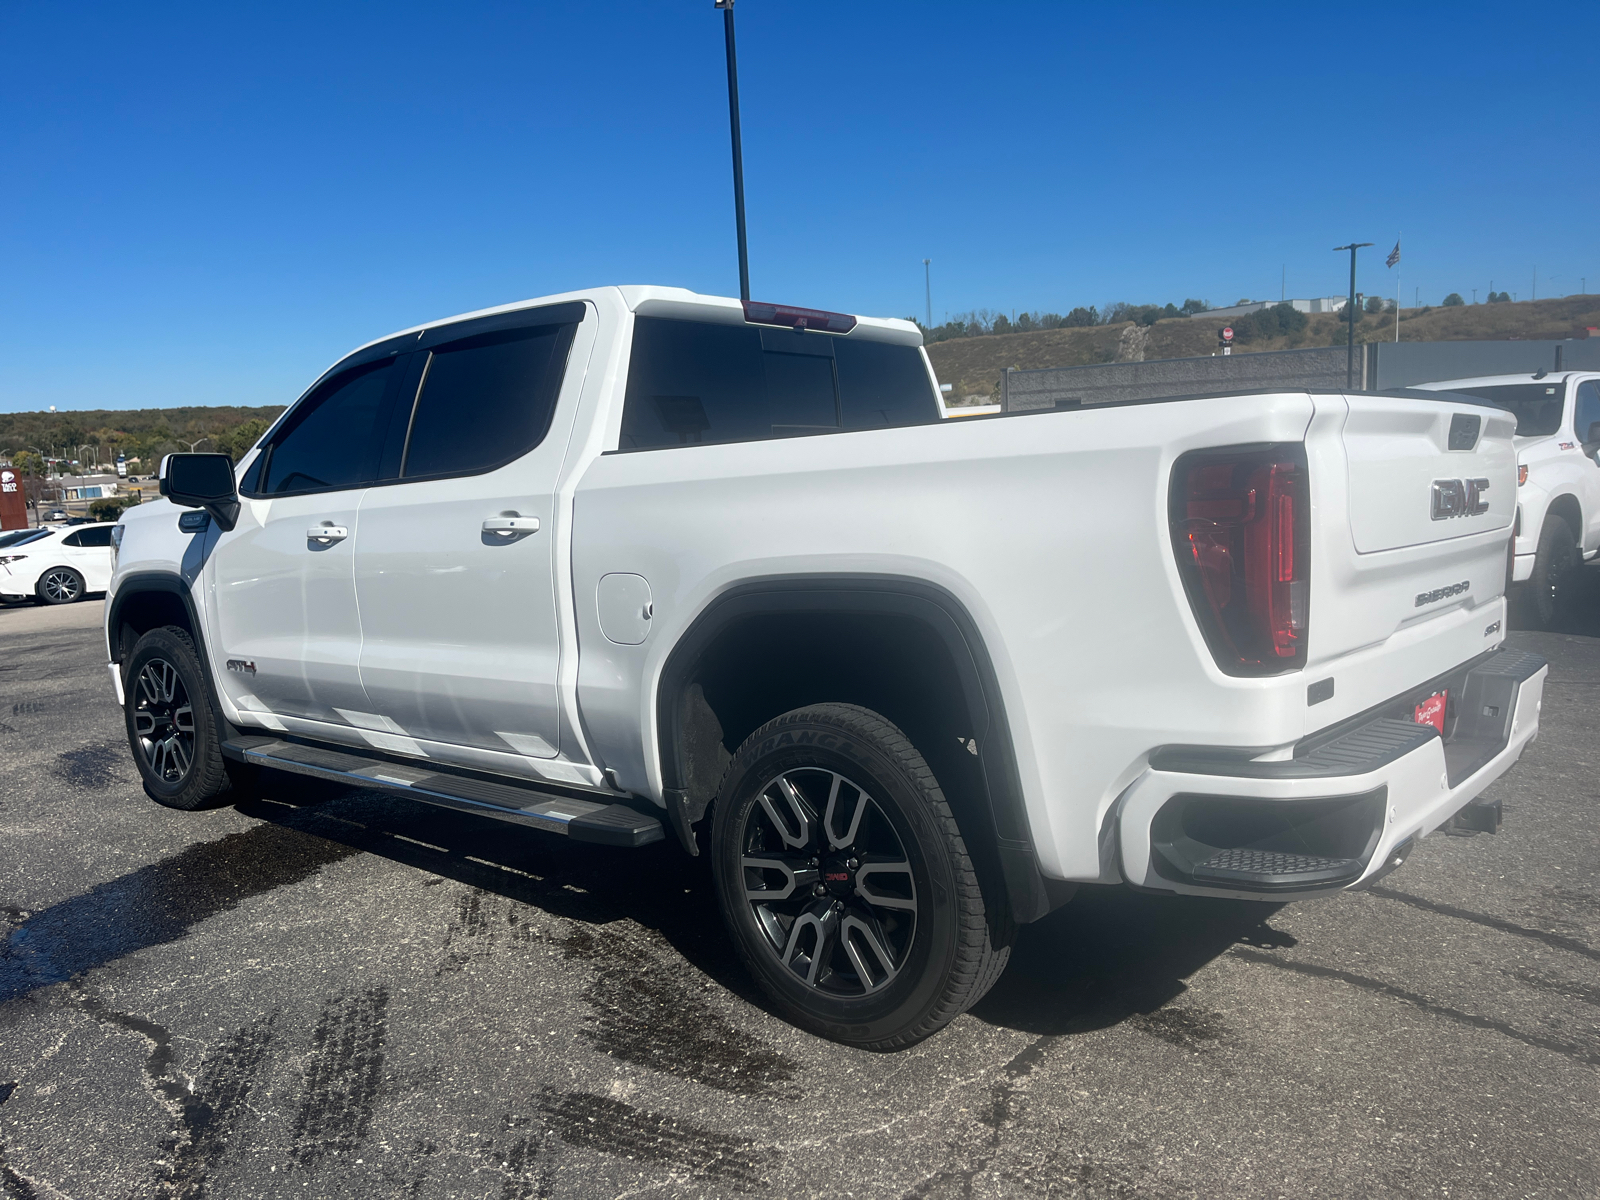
(1537, 612)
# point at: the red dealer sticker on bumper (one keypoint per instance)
(1431, 711)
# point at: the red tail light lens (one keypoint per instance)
(1241, 529)
(758, 313)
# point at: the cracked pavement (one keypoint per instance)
(323, 993)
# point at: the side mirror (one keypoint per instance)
(202, 481)
(1594, 432)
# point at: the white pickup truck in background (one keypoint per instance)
(1558, 480)
(635, 563)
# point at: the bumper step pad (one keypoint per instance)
(1258, 869)
(581, 820)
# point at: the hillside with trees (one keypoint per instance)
(145, 434)
(974, 358)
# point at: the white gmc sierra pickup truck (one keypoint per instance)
(636, 563)
(1558, 480)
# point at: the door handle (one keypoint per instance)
(327, 535)
(509, 527)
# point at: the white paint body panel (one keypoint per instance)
(1397, 448)
(1050, 529)
(287, 602)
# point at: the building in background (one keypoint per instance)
(1317, 304)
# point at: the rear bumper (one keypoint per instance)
(1203, 821)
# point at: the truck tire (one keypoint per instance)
(59, 585)
(845, 881)
(174, 725)
(1544, 595)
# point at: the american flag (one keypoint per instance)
(1394, 255)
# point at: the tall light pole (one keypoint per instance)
(927, 283)
(195, 443)
(1350, 314)
(738, 149)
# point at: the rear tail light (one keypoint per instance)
(1241, 529)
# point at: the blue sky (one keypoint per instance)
(209, 204)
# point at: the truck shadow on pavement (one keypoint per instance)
(1109, 955)
(1113, 954)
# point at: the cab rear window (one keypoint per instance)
(696, 383)
(1537, 406)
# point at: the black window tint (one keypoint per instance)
(882, 385)
(72, 539)
(252, 477)
(100, 535)
(1537, 406)
(800, 393)
(1588, 414)
(486, 400)
(329, 440)
(692, 382)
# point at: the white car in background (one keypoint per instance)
(1558, 478)
(57, 566)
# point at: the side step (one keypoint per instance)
(581, 820)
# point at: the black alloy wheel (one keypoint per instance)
(829, 882)
(60, 585)
(163, 721)
(174, 724)
(845, 882)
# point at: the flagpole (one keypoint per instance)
(1397, 240)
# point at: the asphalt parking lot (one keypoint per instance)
(343, 994)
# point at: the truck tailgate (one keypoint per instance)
(1409, 563)
(1410, 458)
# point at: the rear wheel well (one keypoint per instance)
(1566, 507)
(916, 670)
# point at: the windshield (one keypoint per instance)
(1536, 405)
(21, 537)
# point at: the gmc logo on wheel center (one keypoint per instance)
(1459, 498)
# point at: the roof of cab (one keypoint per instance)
(678, 303)
(1446, 385)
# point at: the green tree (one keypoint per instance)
(28, 463)
(1453, 300)
(1374, 304)
(238, 441)
(1281, 320)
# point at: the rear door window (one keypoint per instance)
(331, 439)
(485, 400)
(695, 382)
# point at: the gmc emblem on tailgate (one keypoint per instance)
(1459, 498)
